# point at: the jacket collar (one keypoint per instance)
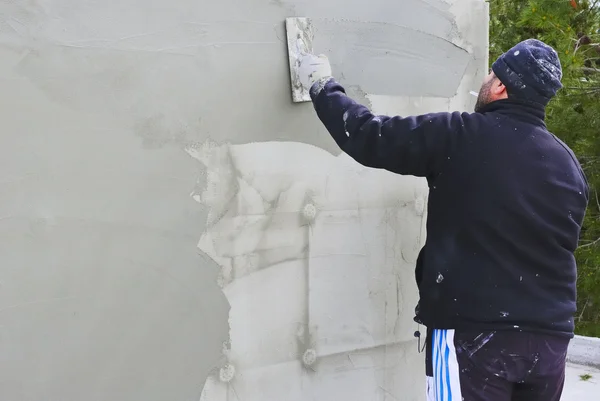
(530, 112)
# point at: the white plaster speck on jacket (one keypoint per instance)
(102, 292)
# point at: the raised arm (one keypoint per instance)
(416, 145)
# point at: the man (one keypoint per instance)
(507, 199)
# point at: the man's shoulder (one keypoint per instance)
(562, 146)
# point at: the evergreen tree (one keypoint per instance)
(572, 27)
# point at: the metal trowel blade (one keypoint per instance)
(300, 35)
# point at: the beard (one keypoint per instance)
(483, 98)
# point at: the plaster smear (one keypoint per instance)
(316, 256)
(372, 53)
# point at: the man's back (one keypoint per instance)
(504, 218)
(507, 199)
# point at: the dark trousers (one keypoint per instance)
(494, 366)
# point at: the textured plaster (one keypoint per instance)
(301, 287)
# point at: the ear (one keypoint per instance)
(498, 90)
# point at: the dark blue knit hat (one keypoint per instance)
(531, 70)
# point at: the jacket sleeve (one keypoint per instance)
(412, 145)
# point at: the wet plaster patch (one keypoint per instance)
(388, 59)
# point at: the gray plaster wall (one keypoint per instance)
(174, 228)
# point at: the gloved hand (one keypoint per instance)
(313, 69)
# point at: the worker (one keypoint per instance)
(507, 198)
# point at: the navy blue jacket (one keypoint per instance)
(506, 204)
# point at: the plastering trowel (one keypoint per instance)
(300, 36)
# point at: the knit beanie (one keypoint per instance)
(531, 70)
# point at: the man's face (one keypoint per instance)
(485, 93)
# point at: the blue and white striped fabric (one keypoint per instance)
(445, 383)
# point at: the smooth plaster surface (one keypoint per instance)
(133, 129)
